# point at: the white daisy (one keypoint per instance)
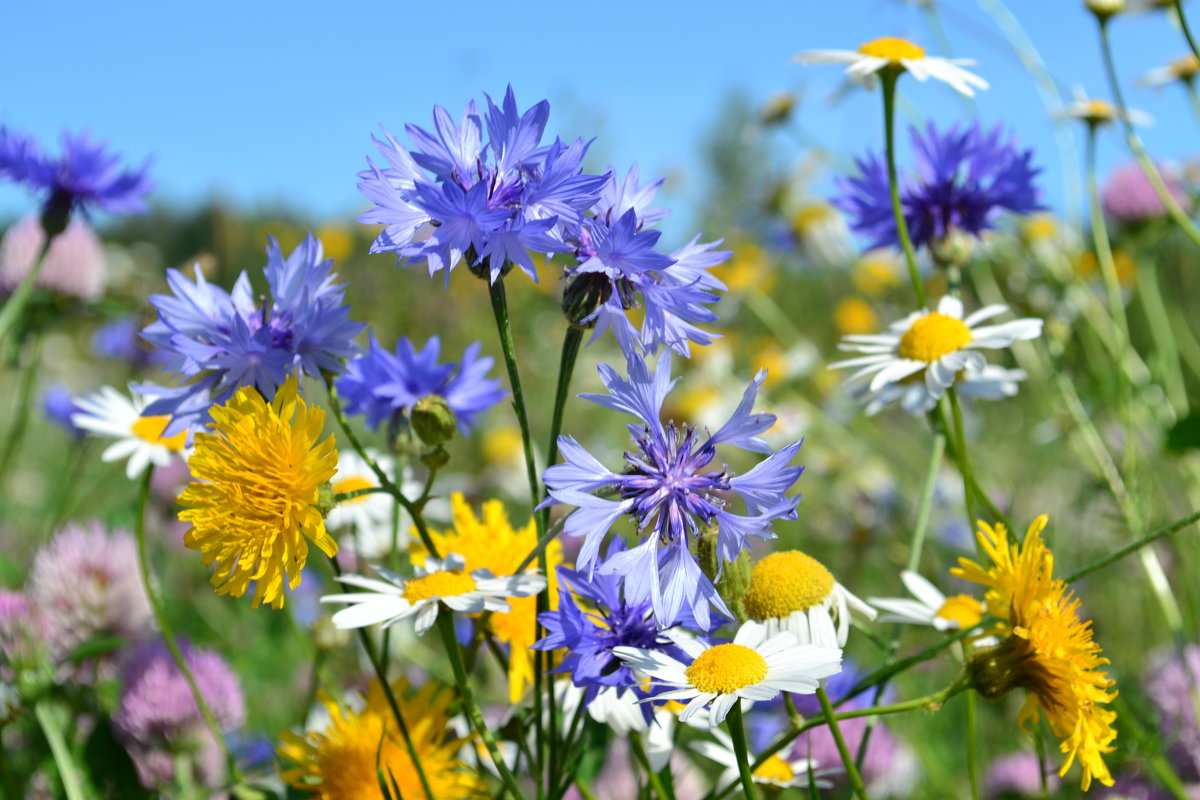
(108, 413)
(751, 667)
(775, 771)
(620, 710)
(898, 54)
(368, 513)
(930, 607)
(440, 582)
(934, 350)
(990, 383)
(1095, 111)
(1182, 68)
(792, 592)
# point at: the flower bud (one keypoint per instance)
(433, 421)
(1103, 9)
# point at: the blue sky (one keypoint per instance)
(259, 102)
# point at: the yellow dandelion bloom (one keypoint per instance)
(253, 502)
(490, 542)
(343, 761)
(1048, 649)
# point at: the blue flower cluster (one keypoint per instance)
(672, 493)
(384, 385)
(221, 341)
(963, 178)
(495, 202)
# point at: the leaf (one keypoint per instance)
(98, 646)
(1184, 434)
(109, 767)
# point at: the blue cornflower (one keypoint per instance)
(963, 178)
(84, 175)
(671, 493)
(219, 341)
(384, 385)
(120, 339)
(58, 404)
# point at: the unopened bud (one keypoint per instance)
(1103, 9)
(952, 250)
(326, 499)
(435, 458)
(433, 420)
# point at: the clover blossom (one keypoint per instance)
(221, 341)
(668, 490)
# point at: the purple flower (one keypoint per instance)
(668, 489)
(1129, 197)
(221, 341)
(1018, 775)
(23, 635)
(58, 404)
(385, 385)
(1172, 685)
(84, 176)
(963, 178)
(74, 264)
(158, 720)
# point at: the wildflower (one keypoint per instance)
(754, 666)
(776, 771)
(74, 264)
(930, 607)
(891, 54)
(822, 235)
(84, 584)
(58, 404)
(929, 351)
(220, 342)
(1046, 648)
(84, 176)
(1103, 9)
(142, 439)
(253, 502)
(1171, 684)
(1182, 69)
(23, 638)
(159, 723)
(1096, 112)
(490, 542)
(344, 761)
(385, 386)
(791, 591)
(854, 315)
(670, 495)
(1018, 775)
(962, 180)
(120, 339)
(439, 582)
(1129, 198)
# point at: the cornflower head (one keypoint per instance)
(962, 180)
(257, 482)
(671, 494)
(385, 386)
(222, 341)
(1045, 648)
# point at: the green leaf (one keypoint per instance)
(1185, 434)
(109, 767)
(99, 646)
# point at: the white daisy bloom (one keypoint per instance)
(930, 607)
(1182, 69)
(440, 582)
(108, 413)
(754, 666)
(792, 592)
(898, 54)
(369, 513)
(776, 771)
(620, 710)
(993, 382)
(934, 350)
(1095, 111)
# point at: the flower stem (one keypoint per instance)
(962, 457)
(1159, 321)
(1133, 547)
(168, 637)
(856, 782)
(445, 623)
(21, 416)
(51, 725)
(972, 747)
(889, 78)
(10, 313)
(639, 753)
(1187, 31)
(737, 733)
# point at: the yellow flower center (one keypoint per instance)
(1185, 66)
(775, 770)
(443, 583)
(963, 609)
(150, 429)
(855, 315)
(353, 484)
(726, 668)
(892, 48)
(932, 336)
(1100, 109)
(810, 217)
(784, 582)
(1041, 227)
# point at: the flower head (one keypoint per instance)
(928, 351)
(74, 264)
(1097, 112)
(930, 607)
(158, 721)
(257, 478)
(344, 761)
(221, 341)
(439, 582)
(671, 492)
(776, 771)
(791, 591)
(1046, 648)
(962, 180)
(1129, 198)
(1182, 69)
(754, 666)
(892, 54)
(384, 386)
(58, 404)
(142, 439)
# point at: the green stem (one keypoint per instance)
(1039, 747)
(1159, 322)
(923, 510)
(21, 417)
(1133, 547)
(52, 728)
(737, 733)
(889, 78)
(972, 747)
(164, 626)
(445, 623)
(962, 457)
(1187, 31)
(10, 313)
(1135, 143)
(856, 782)
(638, 747)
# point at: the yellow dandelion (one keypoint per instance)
(1047, 650)
(253, 503)
(343, 761)
(490, 542)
